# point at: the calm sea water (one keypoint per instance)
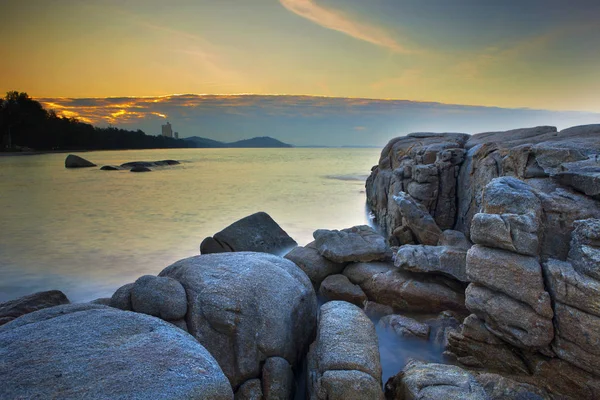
(87, 232)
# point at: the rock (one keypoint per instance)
(73, 161)
(513, 232)
(404, 326)
(512, 320)
(583, 176)
(313, 264)
(430, 381)
(181, 324)
(376, 311)
(140, 169)
(404, 291)
(246, 307)
(443, 260)
(27, 304)
(338, 287)
(160, 297)
(454, 239)
(105, 301)
(585, 248)
(418, 219)
(517, 276)
(257, 232)
(111, 168)
(121, 299)
(569, 287)
(97, 352)
(356, 244)
(441, 326)
(507, 195)
(149, 164)
(250, 390)
(513, 137)
(277, 379)
(346, 346)
(499, 387)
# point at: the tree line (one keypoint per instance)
(24, 123)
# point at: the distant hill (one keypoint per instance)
(257, 142)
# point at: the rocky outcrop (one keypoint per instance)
(27, 304)
(356, 244)
(257, 232)
(338, 287)
(73, 161)
(245, 308)
(343, 362)
(313, 264)
(97, 352)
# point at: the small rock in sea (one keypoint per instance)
(111, 168)
(73, 161)
(140, 169)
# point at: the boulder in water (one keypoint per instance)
(140, 169)
(73, 161)
(27, 304)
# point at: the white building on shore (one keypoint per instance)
(167, 131)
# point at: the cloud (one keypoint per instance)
(336, 20)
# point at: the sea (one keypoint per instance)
(86, 231)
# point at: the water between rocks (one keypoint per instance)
(87, 232)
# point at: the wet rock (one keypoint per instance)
(338, 287)
(250, 390)
(27, 304)
(277, 379)
(121, 299)
(73, 161)
(111, 168)
(376, 311)
(404, 326)
(313, 264)
(418, 219)
(344, 355)
(429, 381)
(257, 232)
(356, 244)
(160, 297)
(246, 307)
(97, 352)
(140, 169)
(149, 164)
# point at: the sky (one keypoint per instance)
(539, 54)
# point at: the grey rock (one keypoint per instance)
(515, 275)
(585, 248)
(512, 320)
(498, 387)
(450, 261)
(313, 264)
(423, 381)
(73, 161)
(507, 195)
(245, 307)
(512, 137)
(356, 244)
(250, 390)
(404, 326)
(345, 341)
(105, 301)
(338, 287)
(121, 299)
(454, 239)
(376, 311)
(583, 176)
(277, 379)
(441, 326)
(513, 232)
(97, 352)
(140, 169)
(160, 297)
(418, 219)
(149, 164)
(27, 304)
(111, 168)
(257, 232)
(348, 385)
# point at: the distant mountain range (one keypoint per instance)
(257, 142)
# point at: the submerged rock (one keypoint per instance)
(257, 232)
(97, 352)
(111, 168)
(140, 169)
(404, 326)
(27, 304)
(73, 161)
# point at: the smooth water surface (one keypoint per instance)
(87, 232)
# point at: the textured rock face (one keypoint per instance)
(97, 352)
(160, 297)
(245, 308)
(73, 161)
(24, 305)
(343, 362)
(417, 219)
(338, 287)
(404, 326)
(403, 291)
(257, 232)
(424, 381)
(356, 244)
(314, 264)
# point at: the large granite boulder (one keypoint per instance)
(356, 244)
(73, 161)
(385, 284)
(246, 307)
(430, 381)
(121, 298)
(24, 305)
(257, 232)
(97, 352)
(343, 362)
(313, 264)
(160, 297)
